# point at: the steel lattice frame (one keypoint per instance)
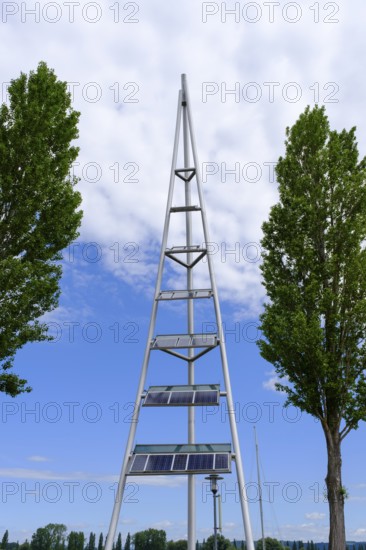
(188, 256)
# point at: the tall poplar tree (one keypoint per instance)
(4, 540)
(91, 542)
(39, 213)
(314, 271)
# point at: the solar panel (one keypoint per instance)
(159, 463)
(221, 462)
(202, 340)
(139, 463)
(180, 462)
(200, 462)
(180, 294)
(205, 397)
(157, 398)
(183, 459)
(181, 397)
(184, 294)
(185, 395)
(169, 341)
(184, 341)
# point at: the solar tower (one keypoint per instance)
(185, 457)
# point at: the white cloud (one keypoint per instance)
(27, 473)
(315, 515)
(38, 458)
(114, 132)
(164, 524)
(309, 530)
(270, 383)
(159, 481)
(127, 521)
(356, 498)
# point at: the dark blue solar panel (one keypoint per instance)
(157, 398)
(180, 462)
(221, 462)
(205, 397)
(181, 397)
(139, 463)
(200, 462)
(159, 463)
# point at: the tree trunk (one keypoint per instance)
(335, 490)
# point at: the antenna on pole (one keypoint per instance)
(259, 489)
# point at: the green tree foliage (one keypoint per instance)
(127, 545)
(222, 543)
(51, 537)
(38, 209)
(177, 545)
(272, 544)
(150, 539)
(4, 540)
(314, 271)
(75, 540)
(119, 542)
(91, 542)
(100, 542)
(269, 544)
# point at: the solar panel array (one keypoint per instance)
(181, 463)
(184, 294)
(177, 398)
(176, 341)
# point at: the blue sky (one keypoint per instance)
(250, 73)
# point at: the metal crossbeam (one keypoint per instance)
(193, 208)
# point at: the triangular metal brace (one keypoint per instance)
(172, 256)
(185, 170)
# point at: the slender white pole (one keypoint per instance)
(215, 521)
(135, 416)
(190, 329)
(259, 489)
(229, 397)
(220, 513)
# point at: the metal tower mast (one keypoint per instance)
(184, 458)
(259, 489)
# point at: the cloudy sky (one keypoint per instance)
(252, 67)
